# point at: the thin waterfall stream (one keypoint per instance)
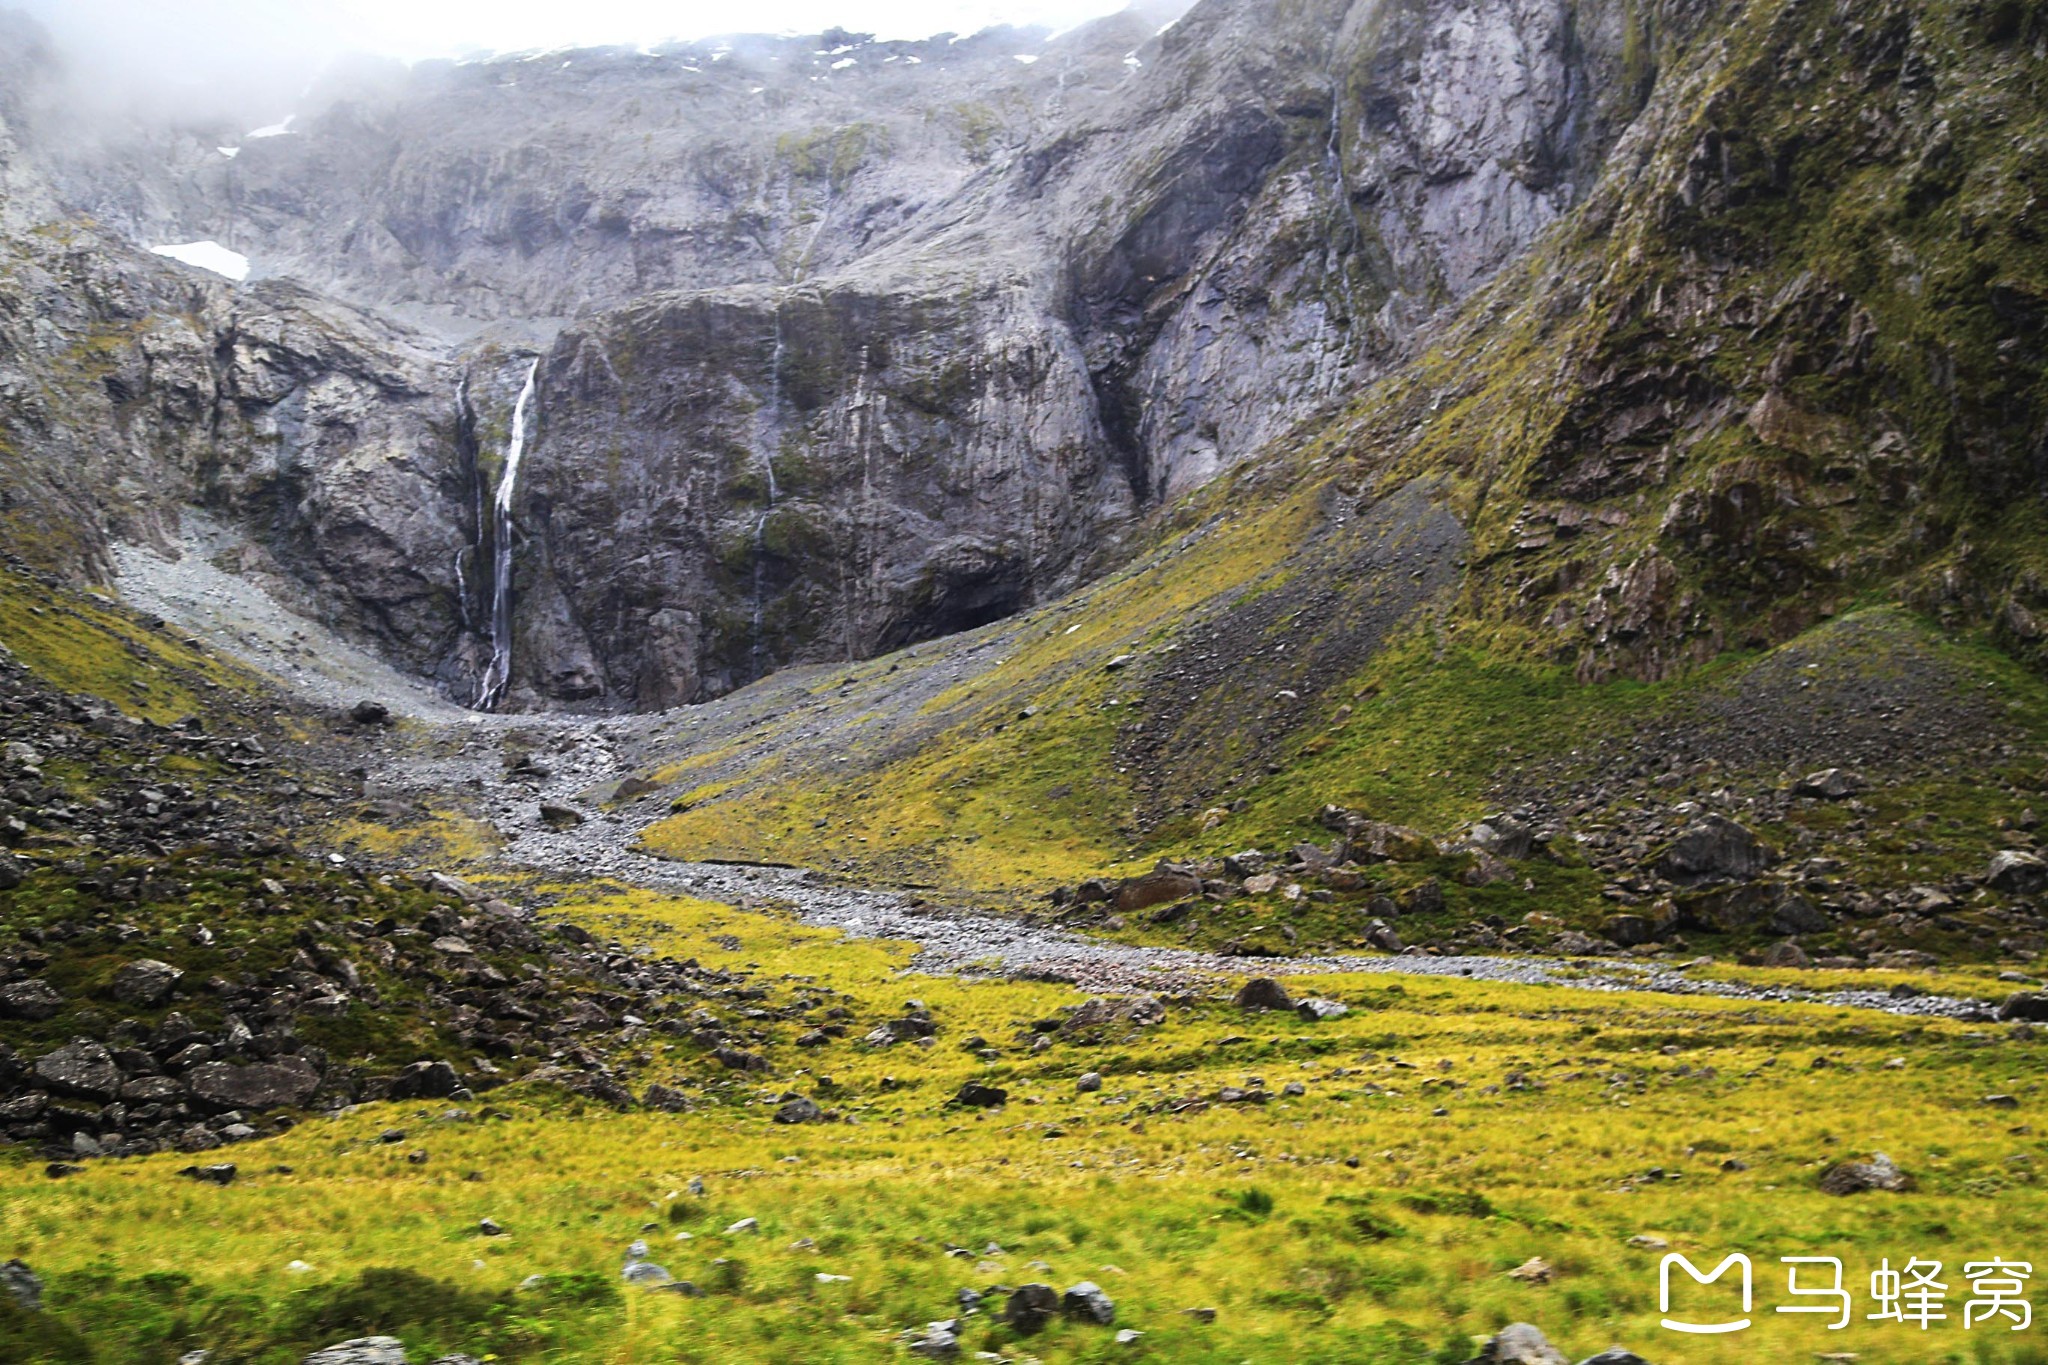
(499, 675)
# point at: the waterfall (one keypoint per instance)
(499, 674)
(768, 436)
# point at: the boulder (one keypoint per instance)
(1086, 1302)
(1784, 954)
(361, 1351)
(1829, 784)
(1519, 1344)
(1614, 1355)
(938, 1340)
(1504, 837)
(555, 815)
(1249, 863)
(1261, 884)
(1772, 906)
(289, 1081)
(1375, 841)
(641, 1271)
(81, 1067)
(1629, 930)
(22, 1285)
(1381, 936)
(1109, 1009)
(902, 1029)
(1164, 883)
(665, 1098)
(2025, 1006)
(797, 1109)
(370, 713)
(1317, 1010)
(1855, 1177)
(1263, 993)
(30, 1000)
(152, 1090)
(2016, 872)
(1714, 847)
(975, 1095)
(1030, 1307)
(146, 983)
(222, 1174)
(1089, 1082)
(13, 872)
(425, 1080)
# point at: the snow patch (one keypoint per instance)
(843, 63)
(1025, 57)
(208, 256)
(229, 152)
(273, 129)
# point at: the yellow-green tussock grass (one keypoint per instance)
(1560, 1104)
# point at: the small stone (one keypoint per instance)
(146, 983)
(1855, 1177)
(32, 1001)
(797, 1109)
(2016, 872)
(81, 1067)
(1086, 1300)
(1520, 1344)
(490, 1227)
(1535, 1270)
(22, 1285)
(975, 1095)
(2002, 1101)
(222, 1174)
(1090, 1081)
(361, 1351)
(1829, 784)
(557, 816)
(370, 713)
(743, 1226)
(1315, 1011)
(1030, 1307)
(1128, 1336)
(938, 1341)
(1263, 993)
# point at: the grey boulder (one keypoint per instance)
(22, 1285)
(1030, 1307)
(1855, 1177)
(32, 1001)
(361, 1351)
(1519, 1343)
(259, 1085)
(1714, 847)
(1263, 993)
(1086, 1301)
(2016, 872)
(146, 983)
(81, 1067)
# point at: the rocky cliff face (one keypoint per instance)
(844, 343)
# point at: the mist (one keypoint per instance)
(251, 60)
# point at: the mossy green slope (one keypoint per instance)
(1782, 364)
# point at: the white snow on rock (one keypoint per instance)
(272, 129)
(229, 152)
(208, 256)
